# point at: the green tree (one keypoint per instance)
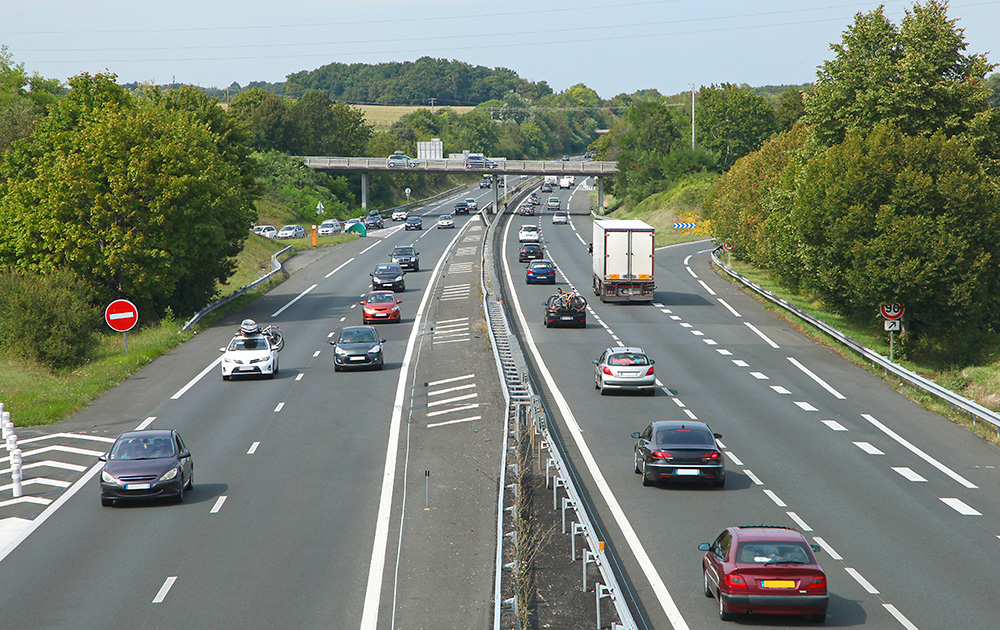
(267, 117)
(789, 109)
(732, 121)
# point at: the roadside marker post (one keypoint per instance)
(893, 314)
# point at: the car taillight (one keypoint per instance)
(607, 371)
(735, 581)
(710, 456)
(661, 455)
(649, 372)
(818, 583)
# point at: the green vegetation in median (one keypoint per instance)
(680, 203)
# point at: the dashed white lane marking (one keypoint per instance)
(678, 402)
(365, 250)
(298, 377)
(906, 623)
(732, 456)
(919, 453)
(868, 448)
(706, 287)
(686, 325)
(827, 548)
(460, 420)
(218, 505)
(754, 478)
(278, 408)
(774, 497)
(697, 333)
(760, 376)
(294, 300)
(740, 363)
(836, 426)
(865, 584)
(162, 593)
(908, 473)
(690, 271)
(253, 448)
(724, 352)
(766, 339)
(145, 423)
(690, 414)
(349, 261)
(730, 308)
(804, 406)
(315, 354)
(450, 380)
(781, 390)
(676, 318)
(818, 380)
(795, 517)
(961, 507)
(710, 342)
(341, 319)
(657, 305)
(190, 384)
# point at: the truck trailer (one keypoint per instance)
(623, 260)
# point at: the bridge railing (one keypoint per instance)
(508, 167)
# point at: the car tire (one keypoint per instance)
(380, 366)
(336, 368)
(635, 464)
(597, 383)
(646, 481)
(107, 502)
(180, 496)
(724, 614)
(190, 483)
(416, 268)
(604, 390)
(708, 589)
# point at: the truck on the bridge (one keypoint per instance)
(623, 260)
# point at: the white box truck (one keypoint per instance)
(566, 181)
(623, 260)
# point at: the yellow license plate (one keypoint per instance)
(778, 583)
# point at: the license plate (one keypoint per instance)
(687, 472)
(137, 486)
(380, 315)
(778, 583)
(244, 369)
(357, 358)
(566, 317)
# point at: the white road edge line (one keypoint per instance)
(349, 261)
(646, 563)
(818, 380)
(761, 335)
(919, 453)
(294, 300)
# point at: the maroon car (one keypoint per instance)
(766, 570)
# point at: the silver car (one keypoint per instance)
(624, 369)
(292, 231)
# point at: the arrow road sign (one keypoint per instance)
(893, 325)
(681, 226)
(121, 315)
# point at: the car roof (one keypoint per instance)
(541, 261)
(381, 291)
(530, 245)
(147, 433)
(766, 532)
(366, 327)
(384, 266)
(529, 227)
(677, 424)
(632, 349)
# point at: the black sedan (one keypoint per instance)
(357, 347)
(414, 223)
(148, 464)
(388, 276)
(530, 251)
(681, 450)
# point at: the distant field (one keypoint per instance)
(382, 116)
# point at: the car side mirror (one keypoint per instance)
(222, 349)
(704, 547)
(362, 302)
(636, 435)
(381, 340)
(399, 301)
(103, 457)
(184, 454)
(651, 361)
(717, 436)
(815, 548)
(333, 343)
(595, 361)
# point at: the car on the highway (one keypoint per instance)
(486, 182)
(678, 450)
(529, 233)
(266, 231)
(461, 208)
(401, 159)
(445, 221)
(530, 251)
(328, 228)
(291, 231)
(147, 464)
(388, 276)
(358, 347)
(374, 221)
(479, 161)
(413, 223)
(560, 217)
(348, 224)
(533, 199)
(526, 209)
(250, 354)
(471, 203)
(399, 215)
(546, 187)
(406, 256)
(624, 368)
(766, 570)
(559, 311)
(565, 158)
(540, 271)
(380, 306)
(552, 203)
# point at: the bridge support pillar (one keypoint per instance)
(600, 195)
(364, 190)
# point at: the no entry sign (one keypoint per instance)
(121, 315)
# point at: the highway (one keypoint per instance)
(903, 502)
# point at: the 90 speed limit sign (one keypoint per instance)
(892, 311)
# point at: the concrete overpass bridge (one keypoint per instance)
(367, 165)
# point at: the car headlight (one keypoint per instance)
(397, 278)
(339, 351)
(260, 360)
(375, 349)
(369, 310)
(394, 308)
(107, 477)
(170, 474)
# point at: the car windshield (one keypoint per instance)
(531, 248)
(289, 228)
(529, 228)
(402, 251)
(541, 264)
(770, 552)
(628, 358)
(357, 335)
(388, 269)
(444, 218)
(381, 298)
(143, 448)
(682, 435)
(413, 220)
(256, 342)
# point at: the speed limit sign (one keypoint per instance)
(726, 245)
(892, 311)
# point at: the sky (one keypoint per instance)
(612, 47)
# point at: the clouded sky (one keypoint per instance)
(612, 47)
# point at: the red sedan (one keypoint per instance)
(380, 306)
(764, 570)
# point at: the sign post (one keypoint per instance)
(893, 314)
(726, 245)
(407, 191)
(122, 316)
(319, 208)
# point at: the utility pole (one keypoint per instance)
(432, 104)
(692, 116)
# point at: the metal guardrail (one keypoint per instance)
(509, 167)
(971, 407)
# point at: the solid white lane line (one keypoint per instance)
(865, 584)
(278, 408)
(162, 593)
(903, 621)
(820, 381)
(218, 505)
(441, 424)
(294, 300)
(919, 453)
(145, 423)
(802, 524)
(775, 498)
(730, 308)
(349, 261)
(754, 478)
(908, 473)
(868, 448)
(440, 412)
(961, 507)
(827, 548)
(766, 339)
(833, 424)
(190, 384)
(449, 380)
(365, 250)
(253, 448)
(693, 274)
(804, 406)
(706, 287)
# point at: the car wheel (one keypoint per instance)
(724, 614)
(416, 267)
(635, 458)
(190, 483)
(180, 495)
(107, 502)
(708, 589)
(646, 481)
(597, 382)
(604, 390)
(380, 366)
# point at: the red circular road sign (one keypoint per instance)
(121, 315)
(727, 246)
(891, 311)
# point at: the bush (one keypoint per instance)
(46, 318)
